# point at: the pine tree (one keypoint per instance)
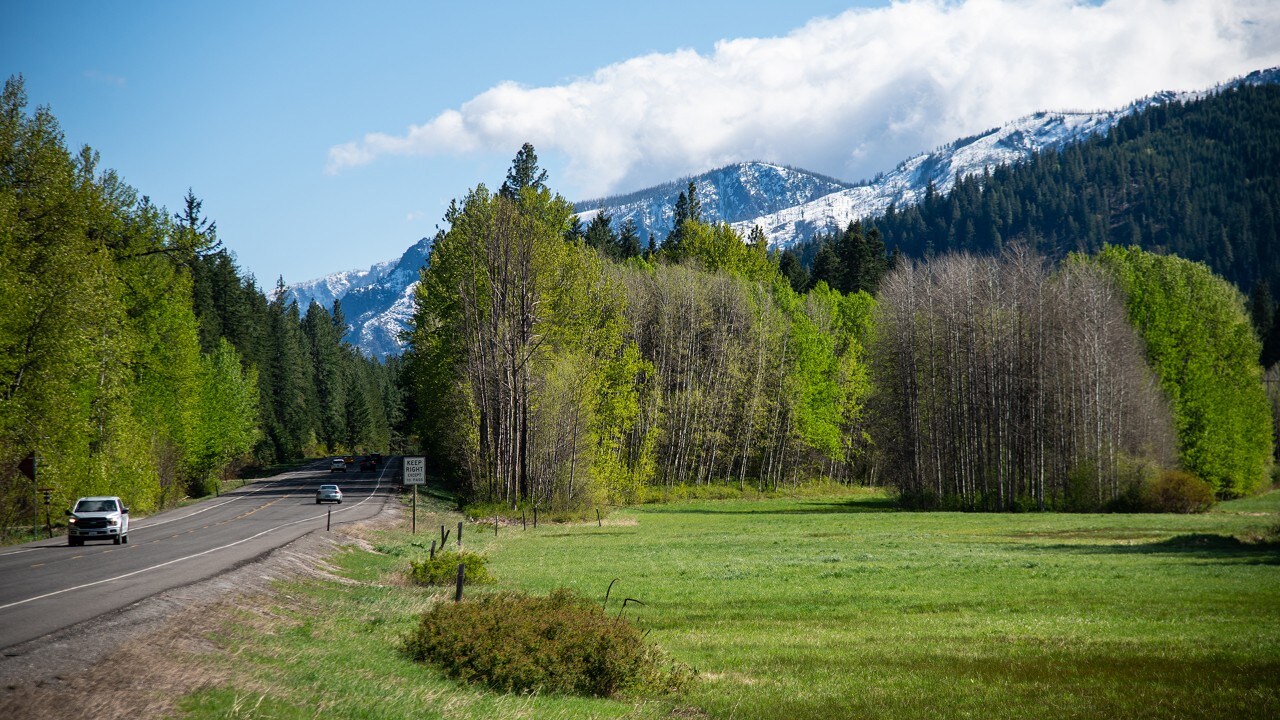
(1262, 311)
(793, 270)
(575, 232)
(524, 173)
(827, 267)
(600, 234)
(693, 208)
(629, 240)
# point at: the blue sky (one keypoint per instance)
(326, 136)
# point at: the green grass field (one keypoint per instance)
(829, 607)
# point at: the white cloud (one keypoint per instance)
(853, 94)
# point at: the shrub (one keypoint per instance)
(1177, 491)
(563, 643)
(731, 490)
(443, 569)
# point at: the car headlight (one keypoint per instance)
(113, 522)
(71, 520)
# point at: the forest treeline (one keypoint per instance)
(136, 358)
(1002, 383)
(546, 373)
(1196, 179)
(1047, 366)
(559, 367)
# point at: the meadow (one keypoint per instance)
(814, 607)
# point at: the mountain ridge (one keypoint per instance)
(789, 204)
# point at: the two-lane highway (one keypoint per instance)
(48, 585)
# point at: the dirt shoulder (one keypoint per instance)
(136, 663)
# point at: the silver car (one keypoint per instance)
(328, 493)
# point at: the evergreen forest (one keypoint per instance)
(136, 358)
(584, 371)
(1067, 334)
(1197, 180)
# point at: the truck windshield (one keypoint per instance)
(96, 506)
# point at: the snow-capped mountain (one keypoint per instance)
(730, 194)
(1007, 144)
(377, 303)
(789, 204)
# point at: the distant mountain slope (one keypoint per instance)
(790, 204)
(377, 302)
(731, 194)
(1200, 179)
(1011, 143)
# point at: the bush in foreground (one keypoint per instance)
(1176, 491)
(443, 569)
(562, 643)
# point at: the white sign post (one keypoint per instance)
(415, 474)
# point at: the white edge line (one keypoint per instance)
(211, 507)
(136, 526)
(196, 555)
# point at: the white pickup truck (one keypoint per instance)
(98, 518)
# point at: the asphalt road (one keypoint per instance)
(47, 585)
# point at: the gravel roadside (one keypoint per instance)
(136, 663)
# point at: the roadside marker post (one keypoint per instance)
(415, 474)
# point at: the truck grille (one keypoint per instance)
(91, 523)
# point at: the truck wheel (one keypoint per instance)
(125, 539)
(72, 542)
(115, 540)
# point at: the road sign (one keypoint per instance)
(28, 466)
(415, 470)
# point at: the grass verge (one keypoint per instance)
(824, 607)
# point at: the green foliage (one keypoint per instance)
(517, 361)
(134, 358)
(1176, 491)
(1000, 386)
(443, 569)
(793, 270)
(1198, 180)
(562, 643)
(720, 248)
(808, 607)
(1201, 343)
(850, 261)
(524, 173)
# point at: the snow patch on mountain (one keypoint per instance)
(789, 204)
(728, 194)
(907, 184)
(377, 303)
